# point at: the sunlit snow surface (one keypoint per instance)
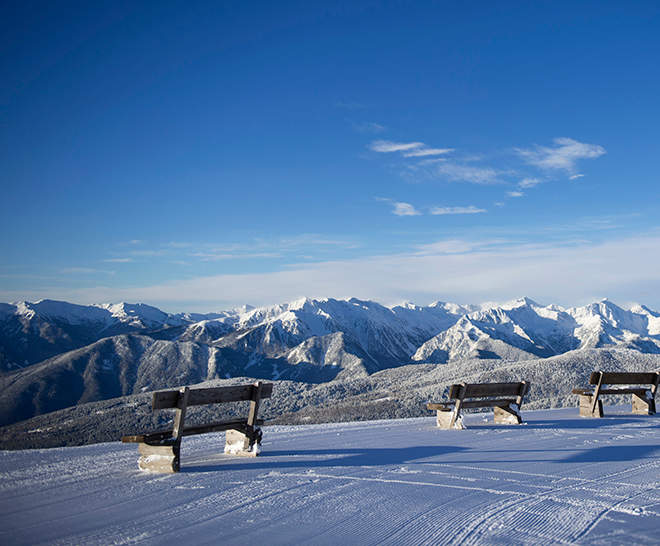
(556, 479)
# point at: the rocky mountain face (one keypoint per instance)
(56, 354)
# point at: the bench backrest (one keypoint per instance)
(212, 395)
(624, 378)
(481, 390)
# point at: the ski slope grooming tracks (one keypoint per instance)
(558, 479)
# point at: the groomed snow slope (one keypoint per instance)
(556, 479)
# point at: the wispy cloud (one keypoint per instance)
(457, 210)
(515, 193)
(467, 173)
(158, 252)
(628, 267)
(84, 271)
(400, 208)
(404, 209)
(217, 256)
(118, 260)
(423, 152)
(407, 149)
(575, 176)
(367, 127)
(529, 182)
(564, 155)
(315, 240)
(385, 146)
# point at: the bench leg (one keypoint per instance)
(444, 420)
(507, 415)
(643, 405)
(238, 443)
(164, 459)
(586, 401)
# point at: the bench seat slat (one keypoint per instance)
(439, 405)
(503, 402)
(632, 390)
(213, 395)
(164, 435)
(583, 391)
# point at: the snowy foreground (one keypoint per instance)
(556, 479)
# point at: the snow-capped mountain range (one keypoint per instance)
(56, 354)
(384, 336)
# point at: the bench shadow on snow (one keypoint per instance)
(614, 454)
(577, 423)
(332, 458)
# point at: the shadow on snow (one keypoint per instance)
(331, 458)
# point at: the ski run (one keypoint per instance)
(557, 479)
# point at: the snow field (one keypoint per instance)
(558, 479)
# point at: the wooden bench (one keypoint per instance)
(504, 398)
(643, 398)
(160, 450)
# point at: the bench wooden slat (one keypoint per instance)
(624, 378)
(488, 403)
(236, 424)
(439, 405)
(587, 390)
(624, 391)
(212, 395)
(474, 390)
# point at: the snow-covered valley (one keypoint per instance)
(558, 479)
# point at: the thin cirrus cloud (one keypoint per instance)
(400, 208)
(564, 155)
(456, 210)
(425, 152)
(404, 209)
(529, 182)
(474, 276)
(386, 147)
(515, 193)
(368, 127)
(408, 149)
(467, 173)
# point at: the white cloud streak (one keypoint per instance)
(404, 209)
(564, 274)
(564, 155)
(467, 173)
(515, 193)
(529, 182)
(456, 210)
(428, 152)
(385, 146)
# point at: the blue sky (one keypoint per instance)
(197, 156)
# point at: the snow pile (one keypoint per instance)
(556, 479)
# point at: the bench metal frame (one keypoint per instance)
(504, 398)
(160, 450)
(643, 398)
